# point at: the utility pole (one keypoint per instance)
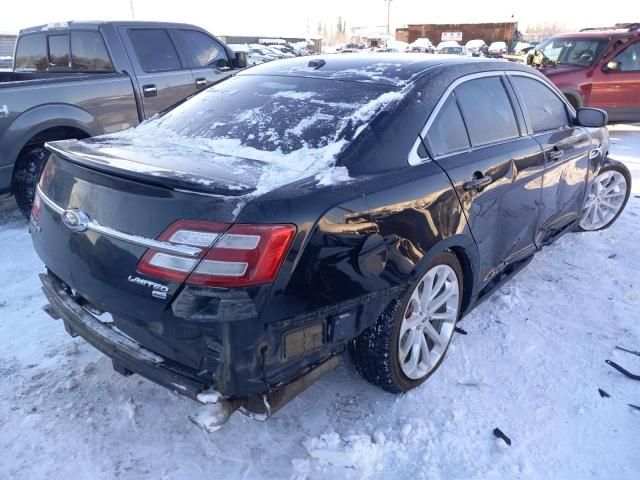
(133, 17)
(388, 14)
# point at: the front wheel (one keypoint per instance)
(606, 198)
(409, 340)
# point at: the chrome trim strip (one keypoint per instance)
(126, 237)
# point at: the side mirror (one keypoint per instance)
(591, 117)
(611, 66)
(240, 60)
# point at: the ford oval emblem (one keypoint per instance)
(75, 220)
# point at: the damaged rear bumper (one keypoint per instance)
(127, 355)
(130, 357)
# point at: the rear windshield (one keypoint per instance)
(277, 113)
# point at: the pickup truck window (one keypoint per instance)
(629, 58)
(155, 50)
(58, 52)
(202, 50)
(573, 51)
(88, 52)
(31, 53)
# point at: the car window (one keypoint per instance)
(88, 52)
(487, 111)
(58, 52)
(447, 133)
(203, 51)
(629, 58)
(573, 51)
(546, 111)
(31, 53)
(155, 50)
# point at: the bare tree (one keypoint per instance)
(540, 31)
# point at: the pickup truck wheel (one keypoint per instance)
(26, 175)
(606, 198)
(410, 339)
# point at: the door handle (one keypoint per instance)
(150, 90)
(555, 154)
(478, 182)
(201, 82)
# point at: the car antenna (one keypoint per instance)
(317, 63)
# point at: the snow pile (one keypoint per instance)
(356, 451)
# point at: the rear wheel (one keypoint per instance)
(606, 198)
(409, 340)
(25, 177)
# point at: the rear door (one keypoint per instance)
(495, 168)
(163, 77)
(566, 152)
(618, 91)
(205, 55)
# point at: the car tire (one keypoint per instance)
(376, 352)
(615, 173)
(26, 175)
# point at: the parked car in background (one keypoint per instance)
(453, 50)
(475, 47)
(595, 69)
(281, 49)
(79, 79)
(6, 62)
(521, 47)
(421, 45)
(264, 52)
(447, 43)
(497, 49)
(253, 58)
(293, 212)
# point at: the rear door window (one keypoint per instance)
(155, 50)
(202, 50)
(487, 111)
(88, 52)
(629, 58)
(58, 52)
(447, 133)
(545, 110)
(31, 53)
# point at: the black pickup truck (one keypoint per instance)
(81, 79)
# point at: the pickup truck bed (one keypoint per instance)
(81, 79)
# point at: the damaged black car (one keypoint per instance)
(234, 247)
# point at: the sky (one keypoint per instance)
(296, 17)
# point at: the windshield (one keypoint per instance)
(572, 51)
(452, 50)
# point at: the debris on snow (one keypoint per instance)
(500, 434)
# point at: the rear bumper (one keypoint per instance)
(127, 355)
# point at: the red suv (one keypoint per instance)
(595, 69)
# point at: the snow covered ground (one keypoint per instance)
(531, 365)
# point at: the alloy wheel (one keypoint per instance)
(605, 199)
(428, 322)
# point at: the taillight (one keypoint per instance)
(244, 255)
(231, 256)
(174, 266)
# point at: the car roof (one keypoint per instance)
(390, 69)
(598, 34)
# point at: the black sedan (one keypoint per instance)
(245, 239)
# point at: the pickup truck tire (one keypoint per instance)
(26, 175)
(376, 352)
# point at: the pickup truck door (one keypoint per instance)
(617, 91)
(205, 55)
(162, 76)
